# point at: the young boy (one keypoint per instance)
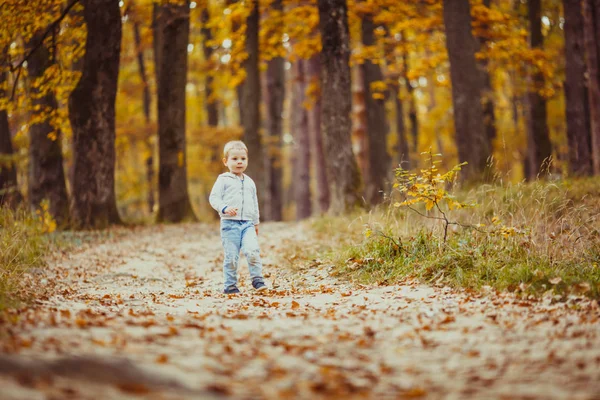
(234, 197)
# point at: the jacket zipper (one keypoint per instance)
(243, 195)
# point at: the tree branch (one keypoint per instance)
(37, 46)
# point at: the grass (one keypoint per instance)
(22, 246)
(544, 241)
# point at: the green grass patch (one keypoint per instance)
(23, 243)
(536, 239)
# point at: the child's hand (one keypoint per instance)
(256, 229)
(232, 212)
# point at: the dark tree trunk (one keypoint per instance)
(489, 117)
(342, 171)
(471, 138)
(539, 148)
(377, 126)
(251, 102)
(591, 14)
(578, 134)
(92, 116)
(301, 143)
(9, 191)
(412, 107)
(173, 199)
(316, 139)
(275, 93)
(146, 99)
(212, 108)
(46, 172)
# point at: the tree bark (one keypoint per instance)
(412, 107)
(173, 199)
(591, 13)
(9, 191)
(275, 94)
(46, 172)
(539, 148)
(377, 126)
(92, 116)
(342, 171)
(301, 143)
(316, 139)
(251, 102)
(471, 138)
(146, 99)
(578, 135)
(489, 117)
(212, 108)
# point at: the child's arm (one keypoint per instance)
(216, 196)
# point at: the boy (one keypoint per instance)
(234, 197)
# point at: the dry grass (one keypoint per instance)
(550, 244)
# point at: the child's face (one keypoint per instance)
(237, 161)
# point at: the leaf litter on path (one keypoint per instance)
(148, 308)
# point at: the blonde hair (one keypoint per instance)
(234, 145)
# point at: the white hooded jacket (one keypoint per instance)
(231, 191)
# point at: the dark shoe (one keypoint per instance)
(259, 284)
(231, 290)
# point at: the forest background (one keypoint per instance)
(484, 82)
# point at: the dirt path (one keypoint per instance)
(143, 314)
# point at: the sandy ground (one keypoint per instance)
(142, 316)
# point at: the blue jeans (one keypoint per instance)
(236, 236)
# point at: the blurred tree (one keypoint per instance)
(92, 116)
(275, 95)
(471, 139)
(578, 128)
(591, 15)
(319, 165)
(539, 148)
(376, 118)
(174, 27)
(9, 191)
(301, 152)
(46, 174)
(250, 104)
(342, 170)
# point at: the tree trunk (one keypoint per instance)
(471, 138)
(591, 14)
(412, 107)
(146, 98)
(212, 109)
(173, 199)
(578, 135)
(9, 191)
(342, 171)
(46, 173)
(92, 116)
(489, 117)
(377, 126)
(539, 148)
(275, 94)
(316, 139)
(251, 102)
(301, 143)
(402, 149)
